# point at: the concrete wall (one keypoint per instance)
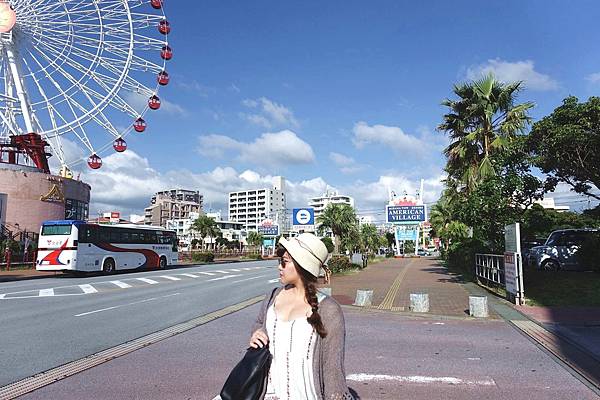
(25, 188)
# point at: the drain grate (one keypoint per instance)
(37, 381)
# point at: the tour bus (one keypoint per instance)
(89, 247)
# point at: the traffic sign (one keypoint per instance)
(303, 216)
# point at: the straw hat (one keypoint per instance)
(307, 250)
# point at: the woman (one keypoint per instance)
(304, 328)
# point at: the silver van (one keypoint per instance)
(560, 250)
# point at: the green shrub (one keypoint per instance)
(460, 256)
(203, 257)
(328, 243)
(339, 264)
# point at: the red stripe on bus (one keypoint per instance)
(52, 258)
(151, 256)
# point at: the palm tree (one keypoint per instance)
(369, 242)
(481, 121)
(254, 238)
(205, 226)
(340, 218)
(442, 221)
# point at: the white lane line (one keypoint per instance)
(249, 279)
(221, 271)
(235, 269)
(120, 284)
(123, 305)
(206, 273)
(245, 269)
(88, 289)
(274, 280)
(449, 380)
(2, 296)
(190, 275)
(146, 280)
(222, 277)
(46, 292)
(173, 278)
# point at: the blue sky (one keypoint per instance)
(339, 93)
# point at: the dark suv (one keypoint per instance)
(560, 250)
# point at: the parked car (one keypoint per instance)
(526, 249)
(560, 250)
(423, 253)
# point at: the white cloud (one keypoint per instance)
(388, 136)
(270, 149)
(270, 114)
(193, 86)
(347, 165)
(593, 78)
(512, 72)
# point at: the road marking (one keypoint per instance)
(190, 275)
(388, 301)
(274, 280)
(46, 292)
(249, 279)
(449, 380)
(123, 305)
(120, 284)
(170, 277)
(222, 277)
(88, 289)
(206, 273)
(2, 296)
(235, 269)
(221, 271)
(146, 280)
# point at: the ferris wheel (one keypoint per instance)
(82, 71)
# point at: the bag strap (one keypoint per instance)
(271, 298)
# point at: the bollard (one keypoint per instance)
(325, 290)
(364, 298)
(419, 302)
(478, 306)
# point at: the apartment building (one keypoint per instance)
(253, 206)
(329, 197)
(172, 204)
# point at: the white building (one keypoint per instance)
(329, 197)
(548, 203)
(251, 207)
(230, 230)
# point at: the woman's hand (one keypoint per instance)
(259, 339)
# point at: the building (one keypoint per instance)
(548, 204)
(30, 196)
(329, 197)
(172, 204)
(230, 230)
(251, 207)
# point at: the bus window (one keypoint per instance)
(87, 234)
(115, 236)
(125, 237)
(48, 230)
(104, 234)
(136, 237)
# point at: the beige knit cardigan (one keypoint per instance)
(328, 356)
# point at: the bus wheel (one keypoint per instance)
(109, 266)
(162, 263)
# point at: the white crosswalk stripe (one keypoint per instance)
(172, 278)
(120, 284)
(205, 273)
(46, 292)
(146, 280)
(235, 269)
(190, 275)
(87, 289)
(221, 271)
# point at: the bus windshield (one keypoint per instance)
(48, 230)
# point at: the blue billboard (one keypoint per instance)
(268, 230)
(403, 214)
(303, 216)
(406, 234)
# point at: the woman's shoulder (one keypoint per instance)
(328, 304)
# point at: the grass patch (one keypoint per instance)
(562, 288)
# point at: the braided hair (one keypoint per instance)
(310, 293)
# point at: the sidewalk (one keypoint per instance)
(393, 280)
(21, 274)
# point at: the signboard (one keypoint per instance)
(303, 216)
(404, 214)
(268, 230)
(511, 274)
(268, 242)
(406, 234)
(512, 238)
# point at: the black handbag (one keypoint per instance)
(248, 379)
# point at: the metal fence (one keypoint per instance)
(489, 268)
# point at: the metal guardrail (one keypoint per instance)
(490, 268)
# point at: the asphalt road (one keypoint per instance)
(48, 322)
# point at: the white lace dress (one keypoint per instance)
(292, 345)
